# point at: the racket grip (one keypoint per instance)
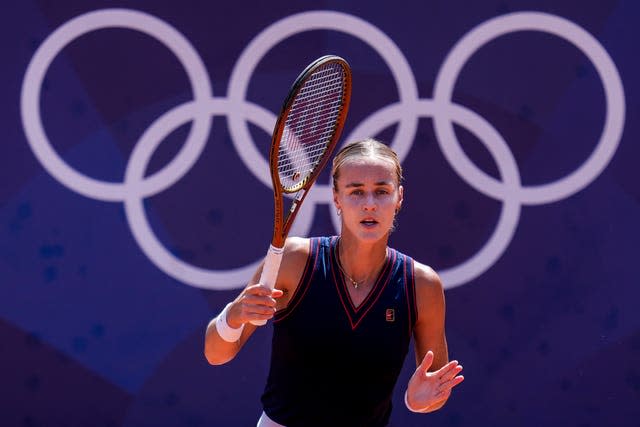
(270, 272)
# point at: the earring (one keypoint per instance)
(339, 211)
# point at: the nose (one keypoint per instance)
(369, 203)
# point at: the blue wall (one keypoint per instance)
(517, 124)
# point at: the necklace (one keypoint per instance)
(344, 273)
(355, 283)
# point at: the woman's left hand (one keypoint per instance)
(430, 389)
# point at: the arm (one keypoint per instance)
(431, 384)
(257, 302)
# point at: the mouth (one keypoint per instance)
(369, 222)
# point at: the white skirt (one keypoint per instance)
(265, 421)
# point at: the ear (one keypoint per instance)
(336, 203)
(400, 198)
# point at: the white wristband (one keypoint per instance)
(419, 411)
(225, 331)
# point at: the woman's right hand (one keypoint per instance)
(255, 302)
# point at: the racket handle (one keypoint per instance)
(270, 272)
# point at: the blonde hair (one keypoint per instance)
(366, 148)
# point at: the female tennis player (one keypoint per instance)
(344, 310)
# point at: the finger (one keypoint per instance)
(257, 316)
(449, 365)
(446, 369)
(448, 375)
(259, 289)
(242, 312)
(276, 293)
(252, 314)
(259, 309)
(251, 300)
(448, 385)
(426, 361)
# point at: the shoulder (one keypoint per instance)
(426, 278)
(294, 260)
(429, 288)
(296, 247)
(296, 253)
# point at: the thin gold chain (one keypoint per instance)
(344, 273)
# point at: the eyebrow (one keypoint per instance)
(359, 184)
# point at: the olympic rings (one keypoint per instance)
(44, 56)
(406, 112)
(614, 96)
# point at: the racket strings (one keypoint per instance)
(310, 124)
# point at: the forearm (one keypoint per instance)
(227, 332)
(222, 342)
(216, 350)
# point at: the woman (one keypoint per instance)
(345, 309)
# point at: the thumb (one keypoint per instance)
(276, 293)
(426, 362)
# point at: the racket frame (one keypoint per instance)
(271, 264)
(281, 225)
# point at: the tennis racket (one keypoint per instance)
(305, 135)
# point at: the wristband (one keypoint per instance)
(419, 411)
(225, 331)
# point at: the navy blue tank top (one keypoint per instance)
(334, 364)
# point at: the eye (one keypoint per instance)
(382, 191)
(356, 193)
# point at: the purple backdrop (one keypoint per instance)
(120, 239)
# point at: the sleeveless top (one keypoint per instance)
(332, 363)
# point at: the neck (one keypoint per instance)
(361, 262)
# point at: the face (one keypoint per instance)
(368, 196)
